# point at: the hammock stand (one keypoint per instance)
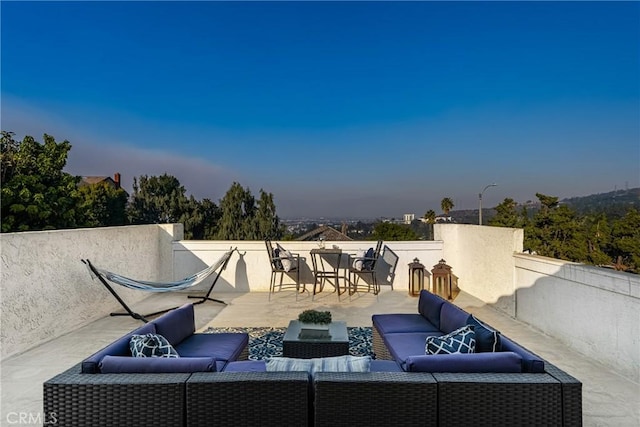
(105, 276)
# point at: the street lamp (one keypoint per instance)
(480, 198)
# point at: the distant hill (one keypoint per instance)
(614, 204)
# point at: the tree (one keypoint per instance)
(162, 200)
(506, 215)
(157, 200)
(430, 216)
(200, 219)
(390, 231)
(446, 204)
(243, 219)
(36, 193)
(232, 214)
(556, 232)
(267, 222)
(625, 241)
(103, 205)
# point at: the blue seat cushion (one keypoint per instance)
(223, 346)
(452, 318)
(177, 324)
(429, 306)
(120, 347)
(530, 362)
(385, 366)
(502, 362)
(402, 346)
(392, 323)
(246, 366)
(154, 365)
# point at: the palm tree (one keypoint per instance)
(430, 216)
(446, 205)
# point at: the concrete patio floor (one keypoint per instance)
(609, 399)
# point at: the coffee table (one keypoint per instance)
(335, 345)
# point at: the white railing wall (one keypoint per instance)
(593, 310)
(249, 269)
(46, 291)
(482, 258)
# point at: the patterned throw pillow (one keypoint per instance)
(461, 340)
(487, 339)
(151, 345)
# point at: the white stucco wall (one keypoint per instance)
(46, 291)
(482, 258)
(593, 310)
(249, 270)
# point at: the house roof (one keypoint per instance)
(329, 233)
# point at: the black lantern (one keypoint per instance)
(416, 277)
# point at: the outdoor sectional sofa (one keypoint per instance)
(503, 385)
(239, 392)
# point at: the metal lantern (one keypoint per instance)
(416, 277)
(443, 278)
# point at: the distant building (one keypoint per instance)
(325, 233)
(408, 218)
(91, 180)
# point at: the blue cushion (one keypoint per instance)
(385, 366)
(505, 361)
(402, 346)
(148, 365)
(452, 318)
(223, 346)
(429, 306)
(151, 345)
(459, 341)
(246, 366)
(392, 323)
(487, 339)
(530, 362)
(120, 347)
(177, 324)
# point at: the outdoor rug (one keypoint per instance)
(267, 342)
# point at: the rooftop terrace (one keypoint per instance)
(53, 315)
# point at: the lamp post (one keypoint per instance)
(480, 198)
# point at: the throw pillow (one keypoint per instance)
(279, 364)
(358, 261)
(461, 340)
(320, 364)
(151, 345)
(368, 262)
(288, 260)
(487, 339)
(277, 263)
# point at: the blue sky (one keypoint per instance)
(337, 108)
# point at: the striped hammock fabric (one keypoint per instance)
(185, 283)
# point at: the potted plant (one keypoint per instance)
(315, 317)
(314, 324)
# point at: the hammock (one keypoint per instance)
(147, 286)
(185, 283)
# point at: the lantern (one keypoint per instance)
(416, 277)
(443, 278)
